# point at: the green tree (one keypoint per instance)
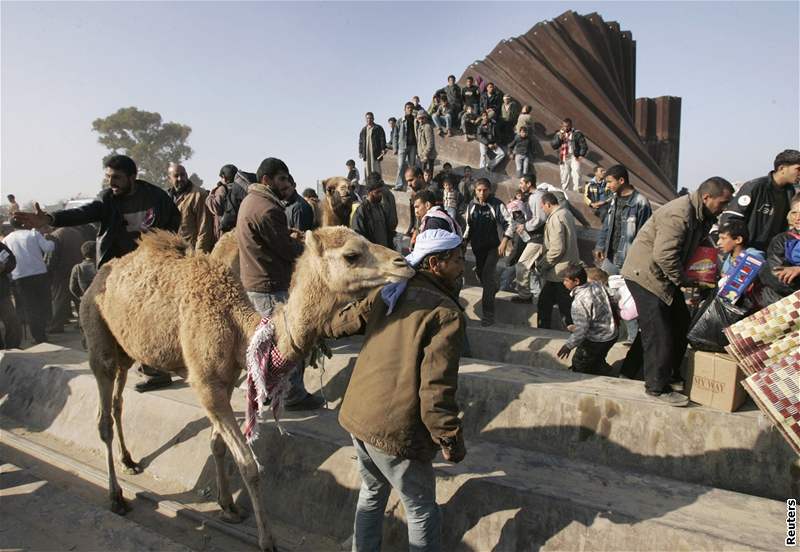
(144, 137)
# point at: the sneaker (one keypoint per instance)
(310, 402)
(152, 383)
(519, 299)
(677, 385)
(671, 398)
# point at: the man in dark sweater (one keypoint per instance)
(124, 209)
(267, 253)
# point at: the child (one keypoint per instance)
(525, 119)
(732, 242)
(468, 125)
(521, 147)
(781, 275)
(352, 172)
(451, 198)
(311, 197)
(595, 327)
(468, 184)
(392, 134)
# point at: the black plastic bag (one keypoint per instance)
(713, 316)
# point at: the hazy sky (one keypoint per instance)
(293, 80)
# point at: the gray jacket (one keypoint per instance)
(399, 140)
(592, 315)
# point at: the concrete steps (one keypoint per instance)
(504, 496)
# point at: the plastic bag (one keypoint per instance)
(713, 316)
(702, 266)
(625, 302)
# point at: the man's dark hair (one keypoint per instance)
(446, 164)
(451, 77)
(787, 157)
(228, 172)
(483, 182)
(530, 178)
(574, 271)
(270, 167)
(350, 162)
(618, 171)
(370, 114)
(470, 78)
(549, 198)
(374, 181)
(392, 119)
(89, 250)
(567, 120)
(715, 187)
(10, 197)
(409, 104)
(121, 163)
(451, 178)
(736, 228)
(310, 192)
(426, 196)
(417, 171)
(490, 83)
(467, 167)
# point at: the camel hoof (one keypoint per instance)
(233, 514)
(119, 506)
(133, 468)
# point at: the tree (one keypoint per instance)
(145, 138)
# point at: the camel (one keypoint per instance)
(167, 306)
(337, 203)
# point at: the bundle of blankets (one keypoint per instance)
(767, 347)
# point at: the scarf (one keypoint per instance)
(564, 150)
(267, 377)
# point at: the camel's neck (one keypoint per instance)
(298, 322)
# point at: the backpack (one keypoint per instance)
(233, 199)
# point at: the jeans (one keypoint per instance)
(445, 121)
(590, 357)
(528, 283)
(570, 167)
(486, 266)
(32, 293)
(405, 158)
(487, 163)
(553, 293)
(663, 336)
(265, 303)
(631, 326)
(523, 163)
(414, 482)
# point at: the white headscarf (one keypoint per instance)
(432, 241)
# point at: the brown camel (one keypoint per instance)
(165, 305)
(337, 203)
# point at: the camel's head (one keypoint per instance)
(336, 184)
(349, 265)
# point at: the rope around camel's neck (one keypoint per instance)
(297, 325)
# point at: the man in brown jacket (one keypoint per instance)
(400, 406)
(654, 273)
(267, 252)
(197, 222)
(560, 250)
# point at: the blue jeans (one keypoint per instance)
(631, 326)
(523, 164)
(265, 303)
(414, 481)
(405, 158)
(445, 121)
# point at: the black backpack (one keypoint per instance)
(233, 199)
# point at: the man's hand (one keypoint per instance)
(299, 235)
(379, 158)
(456, 452)
(787, 274)
(599, 255)
(563, 352)
(520, 230)
(37, 219)
(595, 204)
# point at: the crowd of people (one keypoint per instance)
(415, 330)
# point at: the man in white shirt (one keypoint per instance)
(31, 285)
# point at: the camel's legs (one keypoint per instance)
(105, 387)
(220, 413)
(131, 467)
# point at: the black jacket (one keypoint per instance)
(521, 146)
(123, 219)
(753, 202)
(487, 134)
(378, 142)
(6, 266)
(299, 214)
(579, 147)
(472, 96)
(366, 220)
(237, 191)
(495, 101)
(776, 258)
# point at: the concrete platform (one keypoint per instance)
(506, 495)
(501, 497)
(36, 515)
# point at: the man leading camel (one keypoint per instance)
(400, 406)
(125, 209)
(267, 253)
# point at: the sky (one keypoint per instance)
(293, 80)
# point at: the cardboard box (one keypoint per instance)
(713, 380)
